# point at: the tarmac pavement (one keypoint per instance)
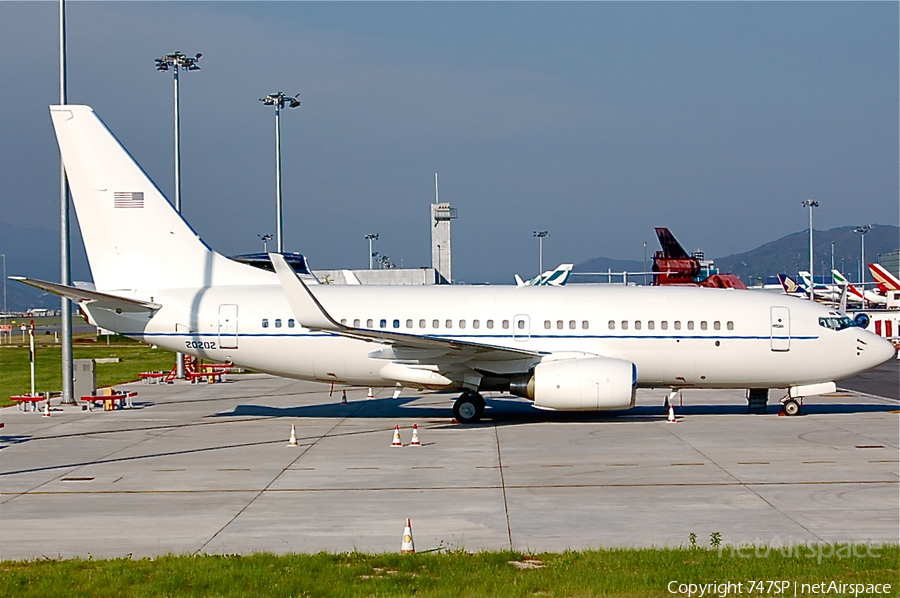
(200, 468)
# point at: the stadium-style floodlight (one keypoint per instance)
(371, 237)
(265, 239)
(279, 100)
(178, 62)
(541, 234)
(862, 230)
(811, 203)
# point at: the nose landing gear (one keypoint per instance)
(790, 407)
(469, 407)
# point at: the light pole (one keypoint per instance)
(64, 260)
(371, 237)
(3, 255)
(645, 263)
(832, 261)
(541, 234)
(862, 230)
(265, 239)
(279, 100)
(178, 61)
(811, 203)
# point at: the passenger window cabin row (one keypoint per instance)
(664, 325)
(520, 324)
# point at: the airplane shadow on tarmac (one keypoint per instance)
(511, 411)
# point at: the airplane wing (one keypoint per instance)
(94, 298)
(312, 315)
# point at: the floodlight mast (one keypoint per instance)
(811, 203)
(541, 234)
(279, 100)
(177, 61)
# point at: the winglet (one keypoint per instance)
(307, 309)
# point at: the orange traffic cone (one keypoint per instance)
(415, 436)
(396, 441)
(46, 409)
(407, 546)
(293, 439)
(671, 419)
(371, 395)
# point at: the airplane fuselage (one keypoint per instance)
(676, 336)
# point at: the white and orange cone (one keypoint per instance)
(396, 441)
(415, 436)
(46, 409)
(407, 546)
(293, 439)
(371, 395)
(671, 419)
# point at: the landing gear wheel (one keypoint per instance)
(468, 408)
(791, 407)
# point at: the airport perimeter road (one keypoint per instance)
(207, 469)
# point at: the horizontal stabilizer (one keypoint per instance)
(79, 295)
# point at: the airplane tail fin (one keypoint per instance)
(671, 248)
(133, 236)
(559, 277)
(788, 284)
(883, 276)
(840, 279)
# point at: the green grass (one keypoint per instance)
(15, 376)
(618, 572)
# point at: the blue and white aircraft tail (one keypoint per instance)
(552, 278)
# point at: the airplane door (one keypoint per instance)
(780, 330)
(228, 332)
(521, 327)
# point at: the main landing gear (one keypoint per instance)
(469, 407)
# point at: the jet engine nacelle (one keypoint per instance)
(580, 384)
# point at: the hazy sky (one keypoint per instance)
(594, 120)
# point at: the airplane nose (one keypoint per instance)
(879, 350)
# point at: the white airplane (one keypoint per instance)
(556, 278)
(580, 348)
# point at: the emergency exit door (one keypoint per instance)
(228, 331)
(780, 329)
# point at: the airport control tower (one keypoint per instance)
(441, 215)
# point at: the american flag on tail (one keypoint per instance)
(128, 199)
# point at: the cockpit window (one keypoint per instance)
(836, 323)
